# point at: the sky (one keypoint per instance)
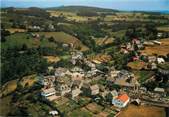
(129, 5)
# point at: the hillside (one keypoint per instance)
(81, 8)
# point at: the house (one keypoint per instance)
(152, 59)
(76, 55)
(48, 92)
(121, 101)
(148, 43)
(136, 41)
(125, 51)
(65, 45)
(63, 85)
(125, 79)
(90, 90)
(53, 113)
(135, 58)
(160, 60)
(153, 66)
(159, 90)
(48, 81)
(109, 95)
(157, 42)
(94, 89)
(60, 72)
(63, 88)
(159, 34)
(77, 69)
(75, 92)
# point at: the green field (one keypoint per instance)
(18, 39)
(64, 38)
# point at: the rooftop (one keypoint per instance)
(123, 97)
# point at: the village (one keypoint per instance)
(116, 88)
(82, 61)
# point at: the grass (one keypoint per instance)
(94, 108)
(64, 38)
(164, 66)
(5, 105)
(80, 113)
(143, 75)
(18, 39)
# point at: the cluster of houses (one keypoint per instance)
(76, 82)
(151, 60)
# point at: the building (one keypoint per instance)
(53, 113)
(160, 60)
(48, 92)
(61, 72)
(48, 81)
(90, 90)
(121, 101)
(75, 92)
(63, 89)
(94, 89)
(159, 90)
(152, 59)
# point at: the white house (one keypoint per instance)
(160, 60)
(48, 92)
(121, 101)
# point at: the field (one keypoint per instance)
(28, 80)
(52, 59)
(103, 41)
(5, 105)
(162, 49)
(100, 58)
(137, 65)
(142, 111)
(64, 38)
(9, 87)
(142, 76)
(18, 39)
(71, 16)
(13, 30)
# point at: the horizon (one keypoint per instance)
(124, 5)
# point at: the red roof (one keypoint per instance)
(123, 97)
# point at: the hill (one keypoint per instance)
(81, 8)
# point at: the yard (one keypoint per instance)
(143, 75)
